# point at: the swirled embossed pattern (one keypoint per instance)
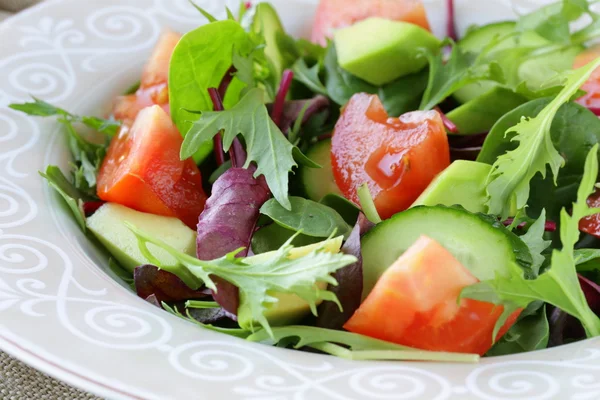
(65, 315)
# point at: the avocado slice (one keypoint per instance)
(319, 182)
(462, 183)
(481, 113)
(290, 308)
(379, 50)
(267, 22)
(107, 224)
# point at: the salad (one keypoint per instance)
(373, 193)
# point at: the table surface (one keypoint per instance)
(20, 382)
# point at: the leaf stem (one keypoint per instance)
(278, 105)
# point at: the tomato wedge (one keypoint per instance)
(142, 170)
(153, 85)
(591, 224)
(396, 157)
(414, 303)
(591, 99)
(334, 14)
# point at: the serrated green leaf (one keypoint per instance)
(512, 172)
(461, 68)
(257, 277)
(309, 76)
(558, 285)
(265, 143)
(534, 239)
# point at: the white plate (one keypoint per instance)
(62, 312)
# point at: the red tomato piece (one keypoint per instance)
(142, 170)
(414, 303)
(153, 85)
(592, 86)
(334, 14)
(591, 224)
(396, 157)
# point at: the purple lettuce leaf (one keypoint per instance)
(563, 327)
(292, 110)
(156, 285)
(350, 282)
(227, 223)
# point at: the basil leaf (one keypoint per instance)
(308, 217)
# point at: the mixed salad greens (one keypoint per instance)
(374, 193)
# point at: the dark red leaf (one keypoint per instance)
(162, 285)
(350, 282)
(227, 223)
(565, 328)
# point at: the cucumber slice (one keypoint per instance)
(481, 243)
(319, 182)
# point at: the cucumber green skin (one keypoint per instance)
(481, 243)
(318, 182)
(481, 113)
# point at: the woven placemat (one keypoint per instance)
(20, 382)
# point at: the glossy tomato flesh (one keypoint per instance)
(142, 170)
(334, 14)
(591, 224)
(396, 157)
(591, 99)
(414, 304)
(153, 88)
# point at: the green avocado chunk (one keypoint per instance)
(379, 51)
(267, 22)
(462, 183)
(290, 308)
(481, 113)
(319, 182)
(108, 225)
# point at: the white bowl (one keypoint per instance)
(63, 312)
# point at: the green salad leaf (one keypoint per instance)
(557, 285)
(273, 236)
(309, 76)
(257, 278)
(40, 108)
(199, 62)
(531, 332)
(308, 217)
(367, 204)
(357, 347)
(72, 196)
(574, 131)
(347, 209)
(552, 22)
(512, 172)
(265, 143)
(461, 68)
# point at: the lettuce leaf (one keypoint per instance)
(559, 284)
